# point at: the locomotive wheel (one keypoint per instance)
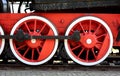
(34, 51)
(2, 41)
(95, 43)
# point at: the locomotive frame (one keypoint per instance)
(49, 33)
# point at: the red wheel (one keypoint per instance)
(34, 51)
(2, 41)
(95, 43)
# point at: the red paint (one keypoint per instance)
(7, 21)
(61, 21)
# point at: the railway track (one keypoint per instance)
(104, 66)
(60, 67)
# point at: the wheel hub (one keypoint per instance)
(33, 43)
(88, 40)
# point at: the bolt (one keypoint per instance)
(33, 41)
(62, 21)
(88, 41)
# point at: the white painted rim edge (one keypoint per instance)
(44, 20)
(87, 18)
(3, 41)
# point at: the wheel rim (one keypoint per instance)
(34, 51)
(95, 43)
(2, 41)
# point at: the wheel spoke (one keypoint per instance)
(97, 46)
(81, 52)
(82, 27)
(35, 25)
(42, 28)
(27, 27)
(26, 52)
(76, 47)
(38, 50)
(32, 58)
(101, 35)
(40, 45)
(87, 54)
(97, 28)
(90, 26)
(98, 42)
(22, 46)
(93, 53)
